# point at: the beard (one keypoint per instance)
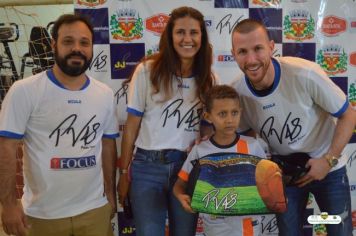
(72, 69)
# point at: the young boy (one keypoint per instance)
(223, 111)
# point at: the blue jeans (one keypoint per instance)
(332, 194)
(153, 176)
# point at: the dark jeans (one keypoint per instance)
(153, 176)
(332, 195)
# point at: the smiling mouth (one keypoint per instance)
(187, 46)
(253, 68)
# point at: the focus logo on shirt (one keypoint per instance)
(59, 163)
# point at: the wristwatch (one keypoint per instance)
(332, 160)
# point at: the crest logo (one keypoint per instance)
(333, 59)
(91, 3)
(125, 26)
(299, 25)
(156, 23)
(333, 25)
(267, 3)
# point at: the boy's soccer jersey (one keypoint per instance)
(226, 225)
(62, 132)
(165, 124)
(296, 114)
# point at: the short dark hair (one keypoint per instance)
(69, 19)
(219, 92)
(248, 25)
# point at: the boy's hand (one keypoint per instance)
(185, 200)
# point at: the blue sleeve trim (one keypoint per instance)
(111, 136)
(342, 110)
(205, 123)
(8, 134)
(134, 112)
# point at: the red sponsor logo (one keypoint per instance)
(333, 25)
(353, 24)
(353, 59)
(354, 219)
(157, 23)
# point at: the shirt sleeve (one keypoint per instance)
(15, 111)
(138, 90)
(188, 166)
(112, 124)
(325, 92)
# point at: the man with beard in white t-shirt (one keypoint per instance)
(67, 123)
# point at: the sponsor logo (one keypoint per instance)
(333, 59)
(354, 219)
(156, 23)
(353, 58)
(225, 58)
(91, 3)
(299, 25)
(124, 25)
(268, 106)
(352, 24)
(267, 3)
(99, 61)
(74, 101)
(58, 163)
(186, 86)
(124, 58)
(333, 25)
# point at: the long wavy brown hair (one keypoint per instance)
(166, 63)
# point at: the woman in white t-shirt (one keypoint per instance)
(164, 114)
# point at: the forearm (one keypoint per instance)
(109, 154)
(8, 150)
(343, 132)
(179, 187)
(128, 140)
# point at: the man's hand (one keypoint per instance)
(319, 168)
(14, 220)
(185, 200)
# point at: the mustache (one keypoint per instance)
(76, 54)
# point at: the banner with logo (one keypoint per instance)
(323, 31)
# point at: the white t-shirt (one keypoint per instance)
(297, 114)
(173, 124)
(62, 132)
(226, 225)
